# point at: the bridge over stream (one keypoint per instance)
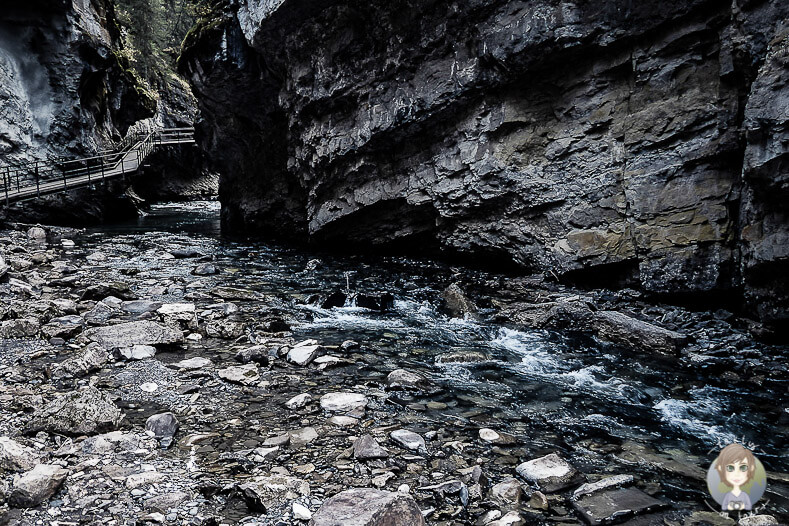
(36, 179)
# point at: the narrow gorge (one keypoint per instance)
(343, 263)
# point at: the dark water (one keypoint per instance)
(553, 391)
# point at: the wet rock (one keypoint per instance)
(512, 518)
(137, 307)
(335, 299)
(298, 401)
(464, 356)
(163, 426)
(133, 333)
(258, 354)
(37, 234)
(36, 486)
(343, 421)
(165, 503)
(224, 329)
(367, 448)
(409, 440)
(606, 483)
(506, 492)
(64, 327)
(205, 269)
(457, 303)
(137, 352)
(380, 301)
(605, 506)
(303, 354)
(550, 473)
(242, 374)
(495, 437)
(117, 289)
(623, 330)
(368, 507)
(194, 364)
(92, 358)
(263, 493)
(349, 345)
(342, 402)
(232, 293)
(16, 457)
(87, 411)
(19, 328)
(186, 253)
(538, 501)
(302, 437)
(402, 379)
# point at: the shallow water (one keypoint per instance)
(554, 391)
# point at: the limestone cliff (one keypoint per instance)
(640, 143)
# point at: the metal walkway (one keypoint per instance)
(39, 178)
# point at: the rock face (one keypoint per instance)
(368, 507)
(602, 141)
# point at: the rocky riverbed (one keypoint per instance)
(158, 373)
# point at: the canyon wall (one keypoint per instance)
(608, 142)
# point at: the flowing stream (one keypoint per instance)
(554, 391)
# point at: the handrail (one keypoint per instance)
(61, 174)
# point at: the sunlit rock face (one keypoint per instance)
(606, 142)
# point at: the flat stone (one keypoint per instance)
(243, 374)
(205, 269)
(409, 440)
(342, 402)
(303, 355)
(193, 364)
(266, 453)
(757, 520)
(609, 505)
(87, 411)
(302, 437)
(551, 473)
(512, 518)
(343, 421)
(133, 333)
(367, 448)
(369, 507)
(140, 306)
(299, 401)
(165, 503)
(277, 440)
(36, 486)
(16, 457)
(264, 493)
(144, 478)
(606, 483)
(466, 356)
(176, 308)
(408, 380)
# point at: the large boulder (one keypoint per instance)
(37, 485)
(133, 333)
(368, 507)
(87, 411)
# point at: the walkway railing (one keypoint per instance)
(38, 178)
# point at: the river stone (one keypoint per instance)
(87, 411)
(165, 503)
(138, 352)
(608, 482)
(163, 426)
(508, 491)
(93, 358)
(302, 437)
(551, 473)
(16, 457)
(36, 486)
(457, 303)
(242, 374)
(512, 518)
(133, 333)
(146, 477)
(367, 448)
(258, 354)
(185, 253)
(19, 328)
(409, 440)
(193, 364)
(757, 520)
(402, 379)
(301, 512)
(607, 506)
(98, 292)
(140, 306)
(205, 269)
(342, 402)
(263, 493)
(623, 330)
(298, 401)
(37, 234)
(368, 507)
(495, 437)
(303, 355)
(99, 314)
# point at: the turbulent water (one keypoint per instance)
(549, 389)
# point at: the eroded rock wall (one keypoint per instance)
(631, 143)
